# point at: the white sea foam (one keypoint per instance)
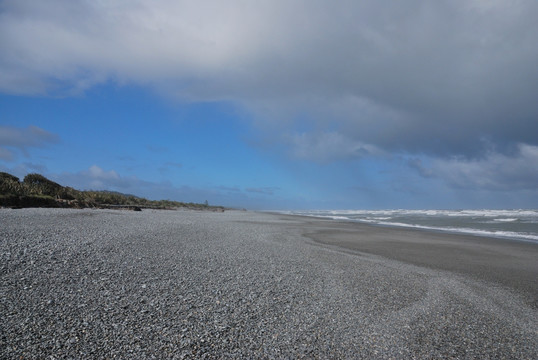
(519, 224)
(503, 234)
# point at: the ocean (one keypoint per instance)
(510, 224)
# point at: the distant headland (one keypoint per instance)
(35, 190)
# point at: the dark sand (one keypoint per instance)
(510, 263)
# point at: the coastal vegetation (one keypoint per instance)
(35, 190)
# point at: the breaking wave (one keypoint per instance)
(519, 224)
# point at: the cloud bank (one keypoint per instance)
(325, 80)
(495, 172)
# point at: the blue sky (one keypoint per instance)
(276, 105)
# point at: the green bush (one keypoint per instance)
(38, 191)
(37, 184)
(10, 184)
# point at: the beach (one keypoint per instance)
(239, 284)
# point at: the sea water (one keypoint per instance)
(512, 224)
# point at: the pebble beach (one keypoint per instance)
(185, 284)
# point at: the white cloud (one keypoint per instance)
(420, 77)
(96, 178)
(100, 178)
(496, 171)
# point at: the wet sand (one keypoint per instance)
(510, 263)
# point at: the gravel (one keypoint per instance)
(186, 284)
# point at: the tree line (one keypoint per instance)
(35, 190)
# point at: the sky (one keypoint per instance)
(360, 104)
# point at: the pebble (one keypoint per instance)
(189, 284)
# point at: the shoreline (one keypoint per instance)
(464, 232)
(509, 262)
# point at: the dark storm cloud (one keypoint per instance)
(438, 78)
(497, 172)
